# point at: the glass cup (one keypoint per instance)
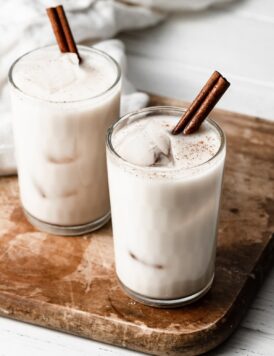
(165, 221)
(60, 154)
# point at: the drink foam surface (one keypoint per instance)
(50, 75)
(148, 142)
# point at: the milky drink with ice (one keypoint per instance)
(61, 111)
(165, 195)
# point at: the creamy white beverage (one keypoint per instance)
(165, 195)
(61, 111)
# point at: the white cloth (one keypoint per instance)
(175, 5)
(25, 26)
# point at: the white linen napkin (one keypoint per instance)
(175, 5)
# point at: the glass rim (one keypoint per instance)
(89, 48)
(162, 110)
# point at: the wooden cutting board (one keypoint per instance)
(68, 283)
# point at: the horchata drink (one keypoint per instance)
(165, 196)
(61, 111)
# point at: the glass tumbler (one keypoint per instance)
(60, 154)
(165, 221)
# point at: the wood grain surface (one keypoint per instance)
(68, 283)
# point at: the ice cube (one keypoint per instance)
(33, 79)
(159, 137)
(146, 146)
(136, 148)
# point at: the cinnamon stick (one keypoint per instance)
(210, 101)
(57, 29)
(62, 30)
(67, 31)
(196, 103)
(201, 106)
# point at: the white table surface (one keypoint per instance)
(174, 59)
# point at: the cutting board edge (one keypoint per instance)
(209, 338)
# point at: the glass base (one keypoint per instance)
(67, 230)
(167, 303)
